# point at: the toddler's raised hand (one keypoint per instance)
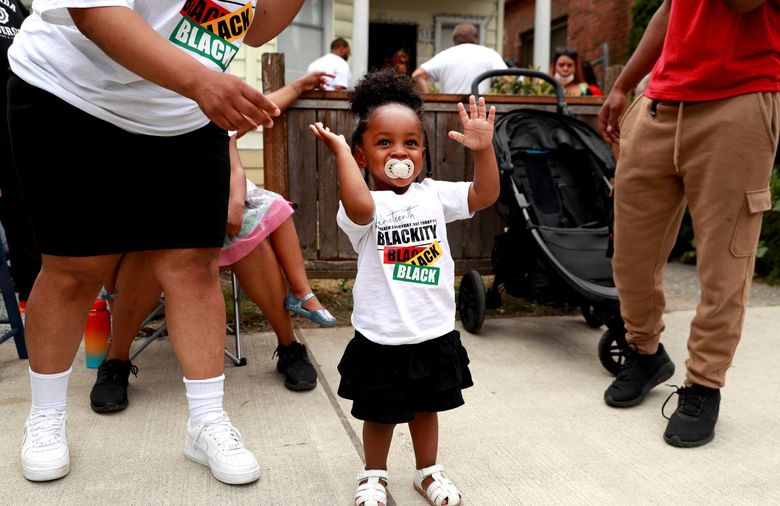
(477, 125)
(336, 143)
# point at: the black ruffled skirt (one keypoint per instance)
(389, 384)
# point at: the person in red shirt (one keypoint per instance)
(705, 131)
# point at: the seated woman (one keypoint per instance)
(260, 265)
(566, 70)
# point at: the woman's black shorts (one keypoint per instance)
(92, 188)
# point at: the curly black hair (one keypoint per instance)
(380, 88)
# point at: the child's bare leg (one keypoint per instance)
(288, 251)
(136, 292)
(261, 278)
(376, 445)
(424, 430)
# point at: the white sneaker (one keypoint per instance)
(218, 445)
(45, 454)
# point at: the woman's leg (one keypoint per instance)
(194, 308)
(58, 307)
(261, 278)
(288, 251)
(195, 312)
(136, 292)
(57, 312)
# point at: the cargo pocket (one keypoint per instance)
(747, 228)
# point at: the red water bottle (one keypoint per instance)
(97, 334)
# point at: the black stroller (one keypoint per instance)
(555, 183)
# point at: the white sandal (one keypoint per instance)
(372, 492)
(441, 488)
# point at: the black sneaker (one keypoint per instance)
(637, 376)
(110, 390)
(693, 424)
(294, 363)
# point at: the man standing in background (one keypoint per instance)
(455, 68)
(334, 63)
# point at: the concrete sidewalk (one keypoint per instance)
(534, 429)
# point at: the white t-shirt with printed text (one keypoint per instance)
(404, 291)
(332, 64)
(455, 68)
(51, 53)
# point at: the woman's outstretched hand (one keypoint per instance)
(477, 125)
(313, 80)
(336, 143)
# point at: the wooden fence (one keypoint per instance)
(301, 168)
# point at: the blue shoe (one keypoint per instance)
(319, 316)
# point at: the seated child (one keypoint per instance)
(406, 361)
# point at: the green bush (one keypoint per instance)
(641, 13)
(768, 252)
(514, 85)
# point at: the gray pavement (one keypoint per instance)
(534, 429)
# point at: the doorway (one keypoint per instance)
(392, 45)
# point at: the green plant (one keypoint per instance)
(514, 85)
(768, 251)
(641, 13)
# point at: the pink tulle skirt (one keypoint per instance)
(264, 211)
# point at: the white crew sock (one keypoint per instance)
(205, 399)
(49, 391)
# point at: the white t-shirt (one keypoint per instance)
(332, 64)
(51, 53)
(404, 292)
(455, 68)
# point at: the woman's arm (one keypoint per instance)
(353, 191)
(289, 93)
(126, 37)
(271, 17)
(237, 190)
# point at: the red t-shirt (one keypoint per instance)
(711, 52)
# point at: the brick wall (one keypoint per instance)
(590, 24)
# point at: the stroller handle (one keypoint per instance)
(561, 106)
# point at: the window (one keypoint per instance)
(558, 36)
(304, 40)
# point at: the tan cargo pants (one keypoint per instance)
(718, 156)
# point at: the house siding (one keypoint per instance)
(590, 24)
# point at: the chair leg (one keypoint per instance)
(237, 359)
(12, 309)
(157, 333)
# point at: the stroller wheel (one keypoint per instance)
(612, 351)
(471, 301)
(589, 313)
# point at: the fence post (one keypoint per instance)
(275, 139)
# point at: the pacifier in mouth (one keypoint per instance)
(399, 169)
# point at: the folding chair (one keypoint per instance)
(14, 317)
(234, 330)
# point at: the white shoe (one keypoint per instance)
(218, 445)
(45, 454)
